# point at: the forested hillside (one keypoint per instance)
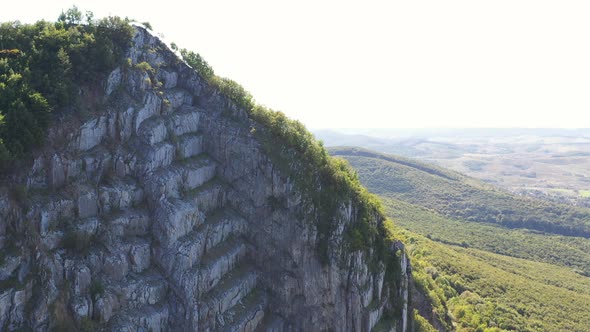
(480, 273)
(461, 197)
(480, 291)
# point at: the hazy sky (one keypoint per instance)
(406, 64)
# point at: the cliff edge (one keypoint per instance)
(162, 211)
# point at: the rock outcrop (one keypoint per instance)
(153, 214)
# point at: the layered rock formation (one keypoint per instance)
(153, 214)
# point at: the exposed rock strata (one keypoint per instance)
(153, 215)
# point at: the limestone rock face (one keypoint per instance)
(153, 215)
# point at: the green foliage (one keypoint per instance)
(488, 292)
(88, 325)
(236, 93)
(427, 214)
(198, 63)
(43, 64)
(567, 251)
(72, 16)
(459, 197)
(146, 67)
(25, 113)
(327, 183)
(457, 268)
(421, 324)
(147, 25)
(96, 290)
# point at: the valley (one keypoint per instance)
(482, 273)
(550, 164)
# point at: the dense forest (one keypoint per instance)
(568, 251)
(42, 66)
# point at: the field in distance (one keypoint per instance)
(544, 163)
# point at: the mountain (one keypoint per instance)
(156, 196)
(482, 258)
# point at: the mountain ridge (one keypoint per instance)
(470, 199)
(165, 209)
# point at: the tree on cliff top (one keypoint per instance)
(43, 64)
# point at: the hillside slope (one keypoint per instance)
(481, 291)
(478, 275)
(165, 208)
(461, 197)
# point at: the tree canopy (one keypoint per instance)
(41, 66)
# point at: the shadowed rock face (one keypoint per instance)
(152, 215)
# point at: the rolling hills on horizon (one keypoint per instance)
(551, 164)
(479, 257)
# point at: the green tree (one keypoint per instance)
(41, 66)
(72, 16)
(198, 63)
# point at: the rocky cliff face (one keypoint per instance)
(153, 214)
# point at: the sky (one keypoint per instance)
(383, 64)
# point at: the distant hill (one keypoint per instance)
(548, 164)
(393, 133)
(474, 271)
(461, 197)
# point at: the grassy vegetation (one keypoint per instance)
(482, 291)
(326, 182)
(460, 197)
(480, 276)
(421, 324)
(571, 252)
(96, 290)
